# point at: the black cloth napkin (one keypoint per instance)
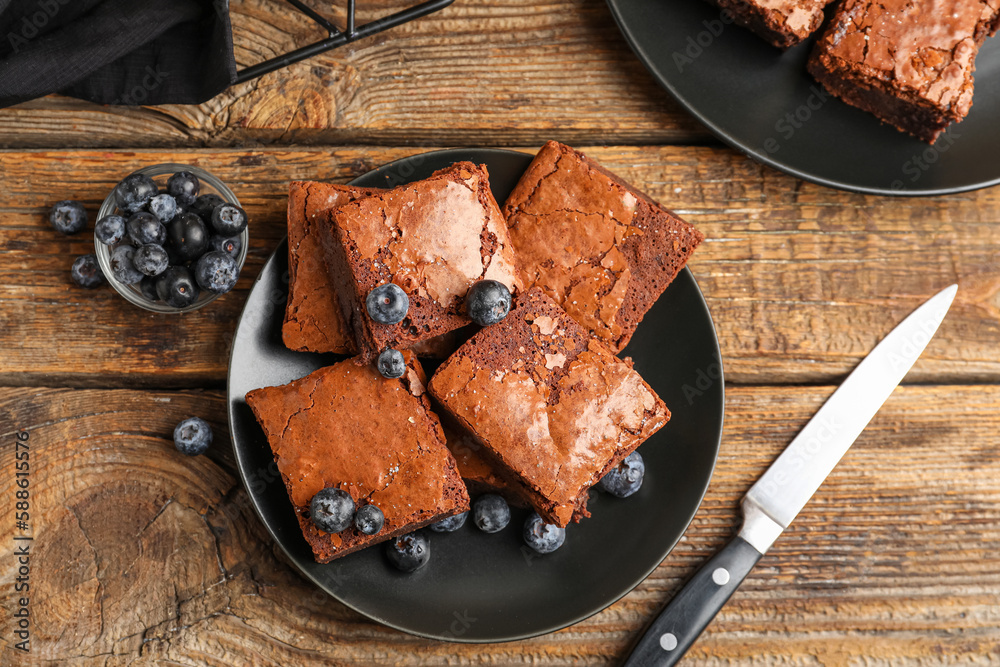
(115, 51)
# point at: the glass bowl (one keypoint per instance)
(160, 173)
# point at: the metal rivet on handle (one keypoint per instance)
(721, 576)
(668, 642)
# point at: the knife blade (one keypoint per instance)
(783, 490)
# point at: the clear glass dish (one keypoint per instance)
(160, 173)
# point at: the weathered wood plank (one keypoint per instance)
(142, 556)
(802, 281)
(517, 71)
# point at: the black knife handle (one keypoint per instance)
(693, 608)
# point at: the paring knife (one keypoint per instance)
(781, 492)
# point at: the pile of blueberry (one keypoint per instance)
(487, 302)
(172, 244)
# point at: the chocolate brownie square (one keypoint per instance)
(433, 238)
(783, 23)
(554, 408)
(603, 250)
(313, 318)
(908, 62)
(349, 427)
(313, 321)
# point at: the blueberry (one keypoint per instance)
(391, 364)
(204, 205)
(192, 436)
(543, 537)
(134, 192)
(409, 552)
(387, 304)
(490, 513)
(229, 219)
(110, 229)
(87, 272)
(122, 267)
(451, 524)
(230, 245)
(148, 288)
(143, 228)
(369, 520)
(216, 272)
(487, 302)
(151, 259)
(176, 287)
(187, 238)
(625, 478)
(68, 217)
(164, 207)
(332, 510)
(183, 186)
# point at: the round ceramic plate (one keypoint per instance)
(479, 587)
(762, 101)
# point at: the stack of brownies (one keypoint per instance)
(908, 62)
(537, 407)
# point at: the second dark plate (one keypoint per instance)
(762, 101)
(486, 588)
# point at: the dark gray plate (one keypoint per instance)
(763, 102)
(479, 587)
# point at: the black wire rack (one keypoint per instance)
(337, 37)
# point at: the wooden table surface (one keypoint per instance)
(142, 556)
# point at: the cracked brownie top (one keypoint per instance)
(434, 238)
(552, 406)
(348, 427)
(603, 250)
(783, 23)
(925, 47)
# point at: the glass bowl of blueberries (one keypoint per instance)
(171, 238)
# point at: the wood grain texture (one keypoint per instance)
(802, 281)
(517, 71)
(143, 556)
